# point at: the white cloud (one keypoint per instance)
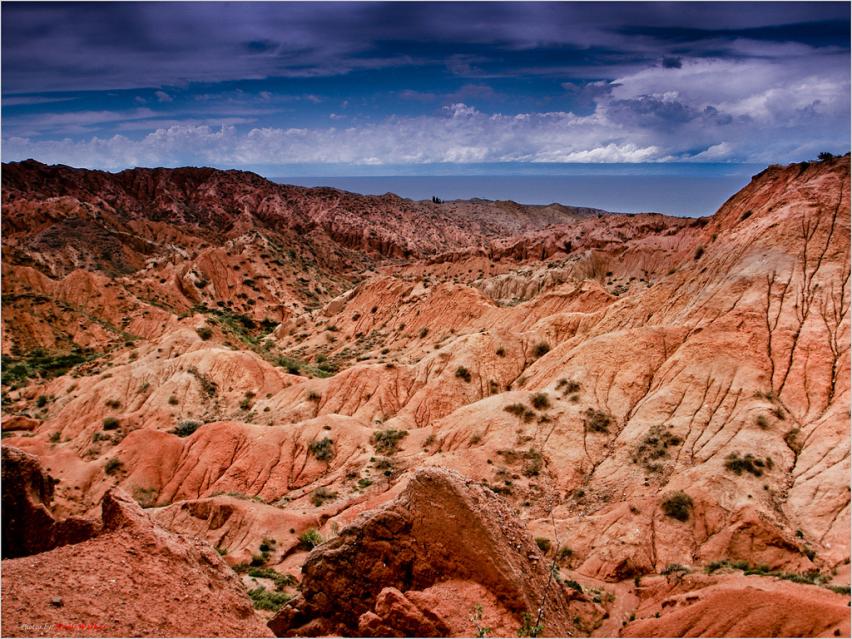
(162, 96)
(703, 110)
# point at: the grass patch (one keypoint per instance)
(42, 364)
(264, 599)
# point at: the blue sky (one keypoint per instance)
(359, 88)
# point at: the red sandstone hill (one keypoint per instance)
(637, 424)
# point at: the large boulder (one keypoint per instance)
(371, 579)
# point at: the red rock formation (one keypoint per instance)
(251, 361)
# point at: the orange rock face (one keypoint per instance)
(420, 390)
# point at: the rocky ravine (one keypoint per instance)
(308, 380)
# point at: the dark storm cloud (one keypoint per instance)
(74, 46)
(240, 84)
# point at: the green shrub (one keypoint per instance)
(293, 367)
(573, 584)
(541, 349)
(110, 423)
(543, 544)
(186, 428)
(113, 466)
(387, 441)
(463, 373)
(173, 401)
(654, 446)
(145, 497)
(698, 253)
(564, 553)
(322, 449)
(281, 581)
(568, 386)
(322, 495)
(677, 505)
(204, 332)
(54, 437)
(41, 402)
(540, 401)
(311, 538)
(749, 464)
(519, 410)
(529, 627)
(762, 422)
(673, 569)
(596, 421)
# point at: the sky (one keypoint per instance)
(378, 88)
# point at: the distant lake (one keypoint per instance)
(689, 190)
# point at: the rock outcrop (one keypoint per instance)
(29, 526)
(441, 531)
(128, 577)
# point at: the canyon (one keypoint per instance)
(238, 408)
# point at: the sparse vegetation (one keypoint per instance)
(543, 543)
(540, 401)
(113, 466)
(674, 569)
(281, 581)
(596, 421)
(463, 374)
(264, 599)
(677, 505)
(186, 428)
(322, 495)
(41, 364)
(387, 441)
(310, 538)
(111, 423)
(529, 627)
(564, 553)
(699, 252)
(653, 447)
(568, 386)
(322, 449)
(145, 497)
(748, 463)
(521, 411)
(204, 332)
(541, 349)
